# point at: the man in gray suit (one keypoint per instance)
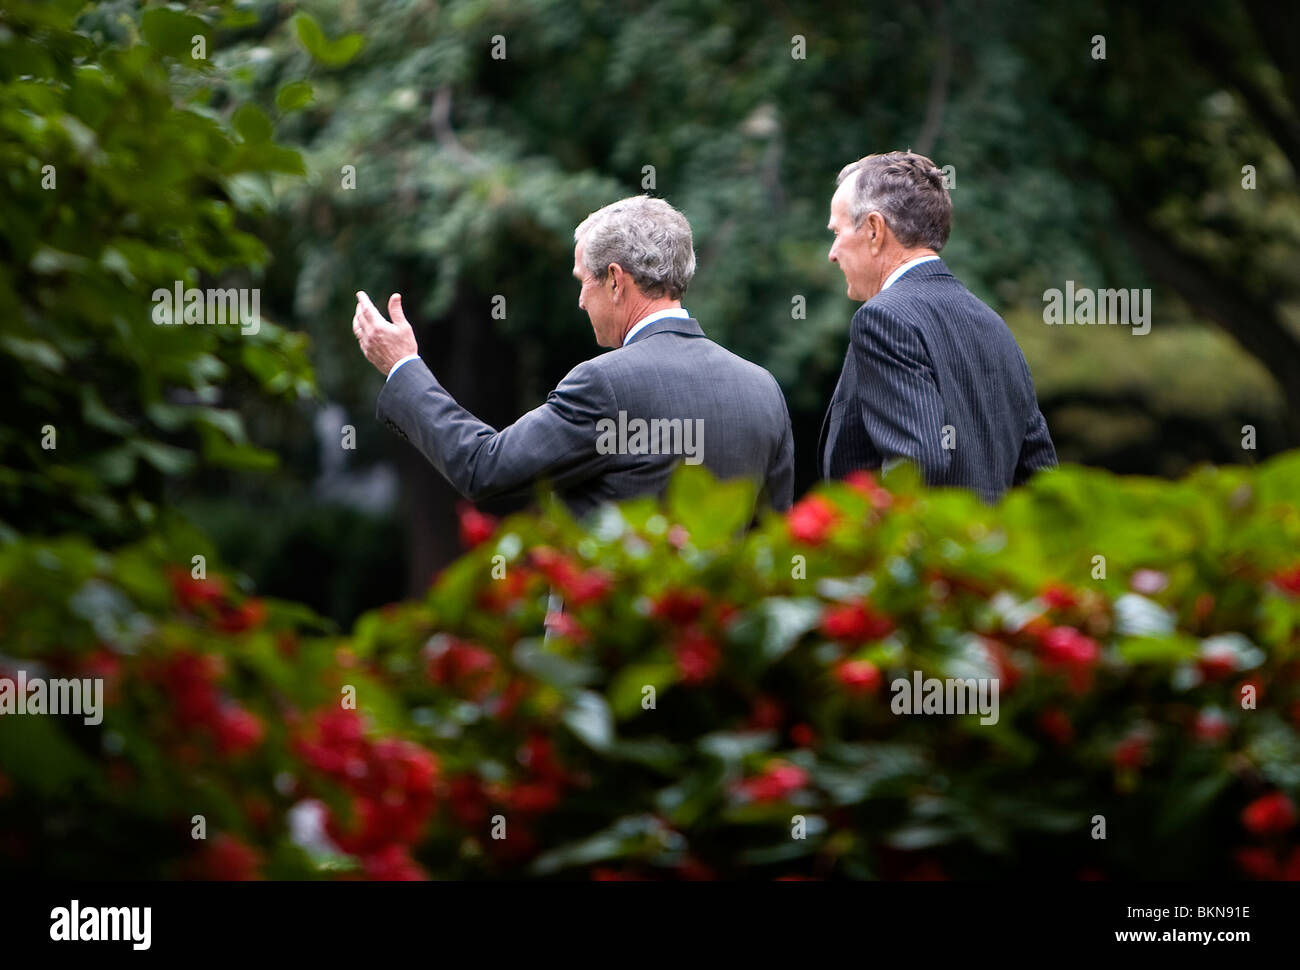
(932, 375)
(618, 424)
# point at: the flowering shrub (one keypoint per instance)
(708, 704)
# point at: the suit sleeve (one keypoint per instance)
(1037, 450)
(780, 475)
(902, 409)
(556, 441)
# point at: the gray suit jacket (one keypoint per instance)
(934, 376)
(590, 453)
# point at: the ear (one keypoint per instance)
(875, 229)
(620, 278)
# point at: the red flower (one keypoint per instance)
(693, 870)
(776, 783)
(855, 623)
(533, 797)
(1055, 723)
(1059, 597)
(1131, 752)
(564, 624)
(1217, 661)
(1008, 672)
(1064, 645)
(538, 756)
(679, 606)
(1269, 814)
(392, 863)
(463, 666)
(576, 586)
(105, 665)
(475, 527)
(190, 680)
(766, 715)
(863, 481)
(803, 735)
(810, 520)
(237, 730)
(191, 593)
(503, 593)
(697, 656)
(467, 800)
(858, 676)
(1210, 726)
(1291, 868)
(1288, 580)
(226, 859)
(1258, 862)
(249, 616)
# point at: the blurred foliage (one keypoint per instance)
(1124, 693)
(113, 188)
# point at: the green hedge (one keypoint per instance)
(708, 705)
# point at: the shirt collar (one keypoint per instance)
(889, 281)
(644, 322)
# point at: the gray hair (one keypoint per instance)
(908, 191)
(647, 237)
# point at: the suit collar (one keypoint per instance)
(687, 326)
(935, 267)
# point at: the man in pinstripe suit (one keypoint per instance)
(932, 375)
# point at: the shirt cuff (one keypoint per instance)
(399, 364)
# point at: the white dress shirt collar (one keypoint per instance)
(889, 281)
(645, 321)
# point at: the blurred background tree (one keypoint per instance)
(434, 168)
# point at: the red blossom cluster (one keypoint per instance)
(190, 681)
(855, 622)
(475, 527)
(463, 667)
(578, 586)
(811, 519)
(698, 656)
(864, 482)
(209, 598)
(1288, 580)
(1270, 816)
(779, 780)
(224, 858)
(472, 801)
(390, 783)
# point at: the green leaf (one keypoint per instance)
(252, 123)
(294, 95)
(172, 32)
(330, 53)
(625, 692)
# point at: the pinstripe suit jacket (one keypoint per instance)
(669, 370)
(934, 376)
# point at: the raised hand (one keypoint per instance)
(384, 343)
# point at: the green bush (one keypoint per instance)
(703, 700)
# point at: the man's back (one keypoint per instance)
(731, 413)
(934, 375)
